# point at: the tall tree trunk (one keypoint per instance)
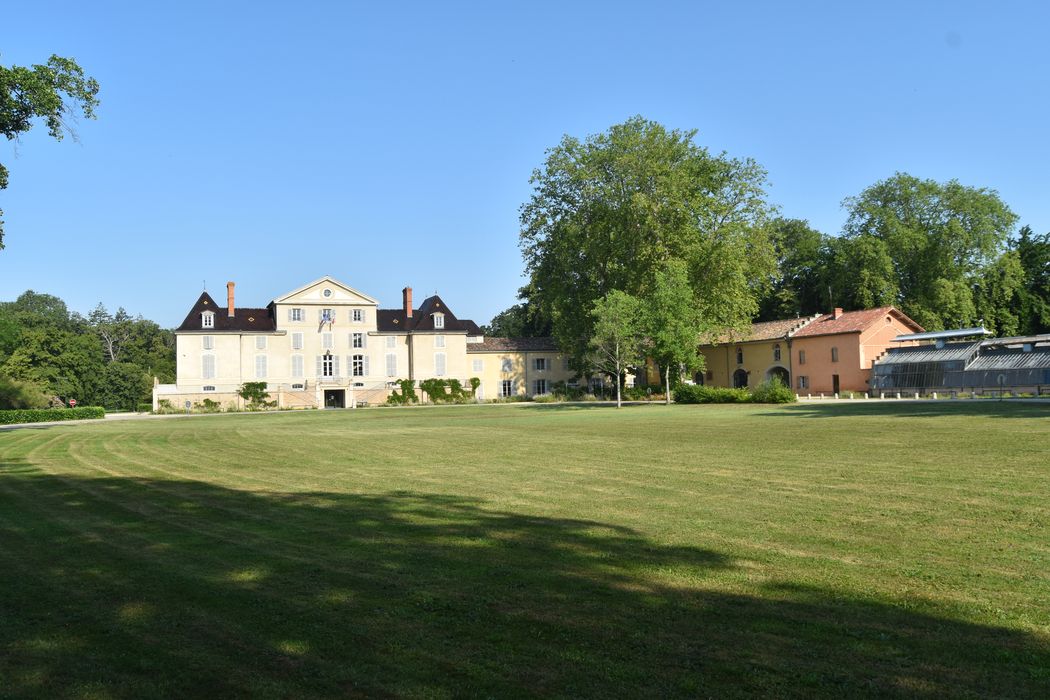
(667, 385)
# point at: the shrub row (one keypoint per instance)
(767, 392)
(43, 415)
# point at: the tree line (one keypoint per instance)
(49, 355)
(642, 228)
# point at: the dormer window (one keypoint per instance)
(208, 319)
(439, 320)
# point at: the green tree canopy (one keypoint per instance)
(922, 245)
(54, 92)
(618, 338)
(608, 212)
(673, 323)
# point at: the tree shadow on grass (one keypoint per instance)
(987, 408)
(141, 588)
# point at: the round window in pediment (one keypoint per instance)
(328, 292)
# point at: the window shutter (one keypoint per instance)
(439, 364)
(364, 340)
(289, 313)
(335, 365)
(320, 366)
(391, 365)
(366, 365)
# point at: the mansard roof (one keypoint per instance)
(394, 320)
(244, 319)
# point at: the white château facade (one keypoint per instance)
(329, 345)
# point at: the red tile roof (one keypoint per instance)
(766, 330)
(853, 322)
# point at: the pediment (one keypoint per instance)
(337, 293)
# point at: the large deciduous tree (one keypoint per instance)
(923, 245)
(609, 212)
(55, 92)
(1033, 302)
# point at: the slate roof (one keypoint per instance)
(244, 319)
(514, 345)
(390, 320)
(929, 353)
(852, 322)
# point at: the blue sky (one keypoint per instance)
(391, 143)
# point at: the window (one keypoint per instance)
(710, 375)
(539, 386)
(260, 342)
(802, 357)
(208, 387)
(208, 367)
(359, 364)
(260, 366)
(539, 364)
(391, 365)
(295, 315)
(357, 315)
(297, 365)
(439, 341)
(208, 319)
(207, 342)
(739, 356)
(565, 364)
(776, 353)
(803, 382)
(327, 365)
(477, 365)
(327, 342)
(507, 388)
(299, 386)
(439, 364)
(325, 316)
(391, 341)
(834, 354)
(297, 341)
(328, 293)
(507, 365)
(439, 320)
(357, 340)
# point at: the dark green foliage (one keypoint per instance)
(212, 406)
(256, 395)
(773, 391)
(475, 382)
(144, 407)
(406, 397)
(1032, 305)
(524, 320)
(689, 393)
(15, 393)
(124, 386)
(43, 415)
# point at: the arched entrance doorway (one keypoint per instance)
(739, 379)
(780, 374)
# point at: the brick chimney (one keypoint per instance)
(406, 293)
(229, 297)
(836, 314)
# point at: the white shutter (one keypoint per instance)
(320, 366)
(391, 365)
(260, 366)
(335, 365)
(297, 365)
(439, 364)
(297, 341)
(366, 365)
(208, 366)
(208, 342)
(289, 313)
(391, 341)
(364, 340)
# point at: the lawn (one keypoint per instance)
(863, 549)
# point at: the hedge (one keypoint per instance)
(43, 415)
(767, 392)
